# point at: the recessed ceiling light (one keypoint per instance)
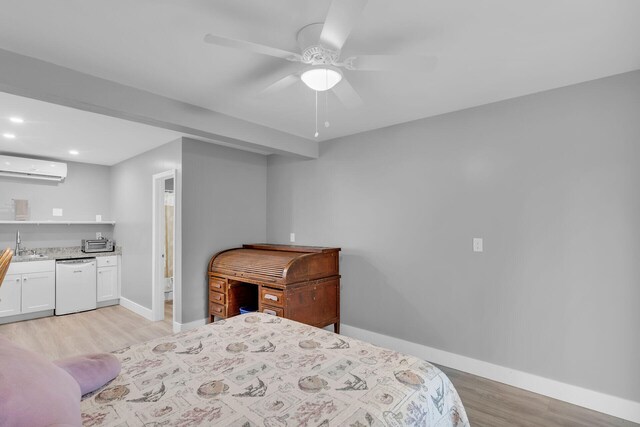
(74, 152)
(9, 135)
(16, 119)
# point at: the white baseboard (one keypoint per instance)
(136, 308)
(597, 401)
(179, 327)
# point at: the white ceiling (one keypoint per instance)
(52, 130)
(488, 50)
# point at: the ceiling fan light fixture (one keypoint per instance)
(321, 78)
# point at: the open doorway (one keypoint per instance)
(164, 198)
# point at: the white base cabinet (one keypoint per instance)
(38, 292)
(11, 295)
(107, 283)
(29, 287)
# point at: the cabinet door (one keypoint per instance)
(38, 292)
(107, 283)
(10, 293)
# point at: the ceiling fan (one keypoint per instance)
(320, 45)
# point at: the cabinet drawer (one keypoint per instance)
(274, 311)
(270, 296)
(216, 297)
(107, 261)
(218, 284)
(217, 310)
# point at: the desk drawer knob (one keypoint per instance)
(271, 297)
(271, 312)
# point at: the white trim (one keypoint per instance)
(179, 327)
(597, 401)
(157, 295)
(136, 308)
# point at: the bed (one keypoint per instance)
(261, 370)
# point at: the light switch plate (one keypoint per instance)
(292, 237)
(57, 212)
(477, 244)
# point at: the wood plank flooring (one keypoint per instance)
(493, 404)
(102, 330)
(488, 403)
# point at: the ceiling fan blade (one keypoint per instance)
(281, 84)
(339, 22)
(391, 62)
(252, 47)
(347, 94)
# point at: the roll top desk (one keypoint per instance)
(301, 283)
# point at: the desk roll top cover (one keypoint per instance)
(301, 283)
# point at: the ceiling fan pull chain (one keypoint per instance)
(316, 135)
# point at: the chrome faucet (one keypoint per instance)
(18, 242)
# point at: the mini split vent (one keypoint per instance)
(20, 167)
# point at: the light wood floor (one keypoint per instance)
(488, 403)
(493, 404)
(102, 330)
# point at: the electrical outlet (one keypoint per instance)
(292, 237)
(57, 212)
(98, 235)
(477, 244)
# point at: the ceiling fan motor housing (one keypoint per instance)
(313, 53)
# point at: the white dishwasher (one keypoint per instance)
(75, 285)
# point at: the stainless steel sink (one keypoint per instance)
(30, 256)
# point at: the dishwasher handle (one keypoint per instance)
(76, 261)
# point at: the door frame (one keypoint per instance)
(157, 248)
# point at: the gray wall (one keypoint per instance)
(220, 203)
(131, 198)
(550, 181)
(49, 236)
(224, 205)
(82, 195)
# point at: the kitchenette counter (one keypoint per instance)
(63, 253)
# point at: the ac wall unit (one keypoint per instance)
(20, 167)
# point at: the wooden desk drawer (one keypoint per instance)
(216, 297)
(217, 310)
(218, 284)
(274, 311)
(270, 296)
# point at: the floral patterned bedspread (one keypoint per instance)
(260, 370)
